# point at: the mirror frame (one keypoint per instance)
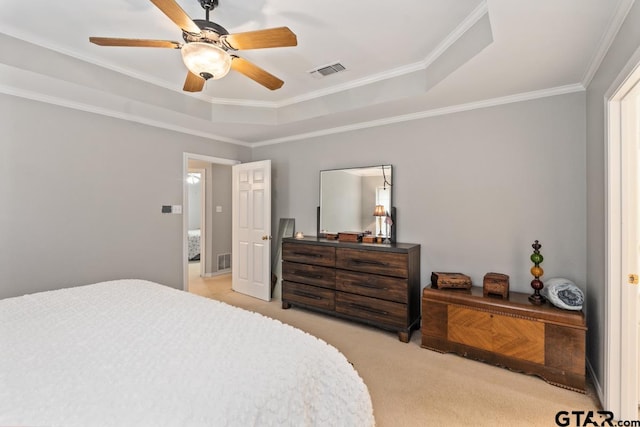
(392, 209)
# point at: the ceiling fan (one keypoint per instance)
(206, 46)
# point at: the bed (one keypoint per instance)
(194, 244)
(132, 352)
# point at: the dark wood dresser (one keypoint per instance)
(378, 284)
(540, 340)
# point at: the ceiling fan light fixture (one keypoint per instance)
(206, 60)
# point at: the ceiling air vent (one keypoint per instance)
(327, 70)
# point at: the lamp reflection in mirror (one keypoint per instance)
(206, 60)
(388, 221)
(379, 212)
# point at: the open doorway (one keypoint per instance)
(207, 220)
(196, 214)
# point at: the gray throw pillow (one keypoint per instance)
(563, 293)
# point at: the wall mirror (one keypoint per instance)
(350, 197)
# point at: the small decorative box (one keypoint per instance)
(349, 236)
(496, 284)
(450, 280)
(368, 238)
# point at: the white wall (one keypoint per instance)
(82, 195)
(623, 47)
(475, 189)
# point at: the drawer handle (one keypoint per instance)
(307, 254)
(307, 275)
(307, 295)
(366, 262)
(368, 285)
(369, 309)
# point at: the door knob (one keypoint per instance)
(266, 237)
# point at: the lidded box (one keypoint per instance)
(496, 284)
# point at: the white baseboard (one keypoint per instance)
(596, 384)
(217, 273)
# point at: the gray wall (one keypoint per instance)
(475, 189)
(622, 49)
(221, 221)
(82, 196)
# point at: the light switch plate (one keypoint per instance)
(218, 208)
(176, 209)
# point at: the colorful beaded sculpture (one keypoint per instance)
(537, 272)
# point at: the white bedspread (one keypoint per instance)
(194, 243)
(135, 353)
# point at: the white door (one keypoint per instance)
(630, 128)
(251, 229)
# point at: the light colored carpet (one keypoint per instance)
(412, 386)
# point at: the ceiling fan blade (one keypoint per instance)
(177, 15)
(260, 39)
(193, 83)
(112, 41)
(256, 73)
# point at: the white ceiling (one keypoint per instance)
(405, 59)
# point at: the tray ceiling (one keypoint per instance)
(403, 60)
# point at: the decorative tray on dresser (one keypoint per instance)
(377, 284)
(536, 339)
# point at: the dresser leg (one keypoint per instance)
(404, 336)
(285, 305)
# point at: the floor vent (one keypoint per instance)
(224, 262)
(327, 70)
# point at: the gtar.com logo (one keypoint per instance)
(585, 418)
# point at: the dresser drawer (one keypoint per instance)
(377, 262)
(309, 274)
(309, 254)
(388, 313)
(372, 285)
(308, 295)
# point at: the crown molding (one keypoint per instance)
(478, 13)
(607, 39)
(13, 90)
(55, 100)
(526, 96)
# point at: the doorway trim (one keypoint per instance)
(618, 393)
(203, 215)
(185, 220)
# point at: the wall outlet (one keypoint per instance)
(218, 208)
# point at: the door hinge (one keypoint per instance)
(633, 279)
